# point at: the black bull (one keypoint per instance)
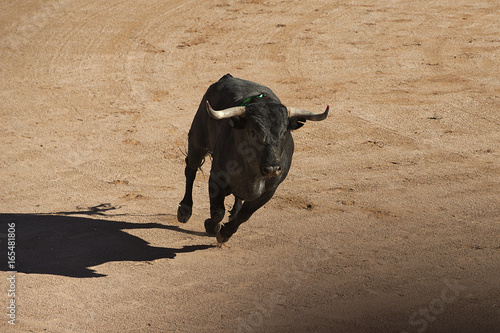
(251, 146)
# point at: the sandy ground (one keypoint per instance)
(389, 218)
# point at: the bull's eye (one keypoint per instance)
(253, 134)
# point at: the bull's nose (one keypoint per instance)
(271, 171)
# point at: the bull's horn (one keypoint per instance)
(237, 111)
(307, 115)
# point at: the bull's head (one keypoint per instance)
(263, 129)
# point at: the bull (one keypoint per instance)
(250, 142)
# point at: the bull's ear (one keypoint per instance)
(295, 123)
(237, 122)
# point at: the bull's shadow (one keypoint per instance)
(68, 245)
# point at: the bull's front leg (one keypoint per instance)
(186, 205)
(218, 188)
(246, 211)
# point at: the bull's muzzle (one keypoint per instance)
(271, 171)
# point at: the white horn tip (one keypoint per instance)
(211, 111)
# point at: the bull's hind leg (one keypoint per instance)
(218, 189)
(194, 160)
(213, 225)
(246, 211)
(236, 208)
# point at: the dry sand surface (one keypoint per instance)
(388, 220)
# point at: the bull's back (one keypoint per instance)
(229, 91)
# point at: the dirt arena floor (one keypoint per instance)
(389, 220)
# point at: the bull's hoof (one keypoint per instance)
(184, 213)
(221, 245)
(221, 239)
(212, 228)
